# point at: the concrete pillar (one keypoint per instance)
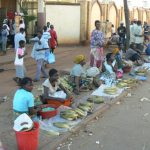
(107, 11)
(89, 10)
(17, 7)
(41, 14)
(104, 12)
(83, 26)
(140, 15)
(148, 16)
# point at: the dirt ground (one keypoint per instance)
(115, 124)
(64, 61)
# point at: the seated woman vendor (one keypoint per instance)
(82, 79)
(109, 68)
(78, 73)
(23, 101)
(53, 89)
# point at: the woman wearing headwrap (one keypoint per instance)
(78, 72)
(82, 79)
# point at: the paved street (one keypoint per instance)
(123, 127)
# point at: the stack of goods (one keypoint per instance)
(69, 114)
(128, 82)
(111, 90)
(64, 81)
(121, 84)
(141, 72)
(87, 107)
(62, 125)
(79, 112)
(96, 99)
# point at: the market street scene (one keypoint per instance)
(74, 74)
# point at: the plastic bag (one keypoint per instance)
(119, 74)
(93, 72)
(51, 58)
(23, 121)
(59, 94)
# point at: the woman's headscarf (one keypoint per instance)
(115, 51)
(79, 58)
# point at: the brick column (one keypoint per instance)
(41, 14)
(83, 21)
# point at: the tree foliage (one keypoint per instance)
(23, 9)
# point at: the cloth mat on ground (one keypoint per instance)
(100, 92)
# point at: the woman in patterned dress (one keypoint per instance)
(97, 42)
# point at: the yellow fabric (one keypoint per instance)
(115, 51)
(79, 58)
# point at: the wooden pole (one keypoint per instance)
(126, 12)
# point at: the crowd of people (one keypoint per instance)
(138, 33)
(104, 67)
(112, 65)
(7, 34)
(11, 34)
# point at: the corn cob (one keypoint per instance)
(61, 125)
(84, 108)
(80, 112)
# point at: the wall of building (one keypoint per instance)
(70, 1)
(82, 21)
(95, 14)
(9, 4)
(66, 20)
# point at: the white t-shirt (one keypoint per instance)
(109, 67)
(138, 31)
(113, 30)
(46, 36)
(78, 71)
(22, 25)
(19, 61)
(52, 89)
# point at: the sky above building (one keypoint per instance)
(135, 3)
(131, 3)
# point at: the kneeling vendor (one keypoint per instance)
(53, 89)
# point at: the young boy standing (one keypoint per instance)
(19, 61)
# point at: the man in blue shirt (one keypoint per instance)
(38, 53)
